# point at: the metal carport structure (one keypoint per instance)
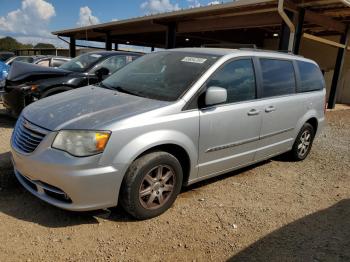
(238, 22)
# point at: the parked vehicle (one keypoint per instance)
(24, 59)
(27, 83)
(42, 60)
(169, 119)
(3, 74)
(48, 61)
(6, 55)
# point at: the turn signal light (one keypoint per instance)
(34, 88)
(101, 140)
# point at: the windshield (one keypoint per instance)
(81, 63)
(24, 59)
(163, 75)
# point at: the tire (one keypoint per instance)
(54, 91)
(303, 143)
(7, 177)
(158, 176)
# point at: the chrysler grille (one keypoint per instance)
(27, 136)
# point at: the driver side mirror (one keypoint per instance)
(101, 73)
(215, 95)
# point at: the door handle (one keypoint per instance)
(270, 109)
(253, 112)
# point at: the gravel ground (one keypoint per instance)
(274, 211)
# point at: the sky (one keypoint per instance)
(32, 21)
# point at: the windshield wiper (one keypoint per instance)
(118, 88)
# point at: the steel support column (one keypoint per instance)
(285, 34)
(108, 42)
(170, 36)
(299, 31)
(72, 47)
(338, 69)
(116, 47)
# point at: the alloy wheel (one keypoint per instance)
(157, 187)
(304, 143)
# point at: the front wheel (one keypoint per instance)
(303, 143)
(151, 185)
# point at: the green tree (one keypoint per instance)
(11, 44)
(44, 45)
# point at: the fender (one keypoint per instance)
(146, 141)
(63, 88)
(310, 114)
(45, 85)
(314, 110)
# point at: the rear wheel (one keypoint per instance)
(151, 185)
(303, 143)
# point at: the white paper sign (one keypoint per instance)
(195, 60)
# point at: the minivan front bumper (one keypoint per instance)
(78, 184)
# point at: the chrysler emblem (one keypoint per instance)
(26, 123)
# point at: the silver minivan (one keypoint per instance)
(169, 119)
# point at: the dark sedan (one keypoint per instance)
(27, 82)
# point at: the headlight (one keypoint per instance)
(81, 143)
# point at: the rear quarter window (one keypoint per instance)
(25, 59)
(311, 78)
(278, 77)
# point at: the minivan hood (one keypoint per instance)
(26, 71)
(89, 107)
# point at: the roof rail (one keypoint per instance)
(230, 45)
(271, 51)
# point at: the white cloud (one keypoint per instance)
(194, 3)
(86, 18)
(214, 3)
(159, 6)
(32, 18)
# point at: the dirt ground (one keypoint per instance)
(274, 211)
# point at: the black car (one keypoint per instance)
(43, 60)
(27, 82)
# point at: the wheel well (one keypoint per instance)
(55, 90)
(177, 151)
(313, 121)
